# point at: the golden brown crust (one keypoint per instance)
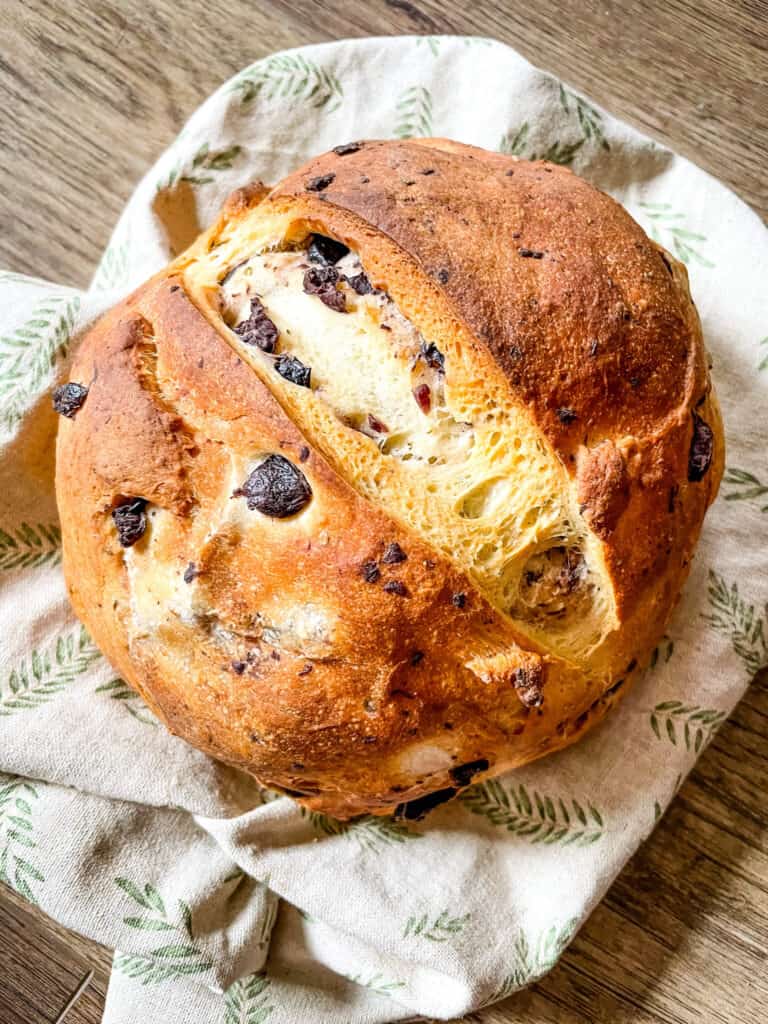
(279, 654)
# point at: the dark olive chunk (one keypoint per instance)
(276, 488)
(258, 329)
(396, 587)
(433, 357)
(68, 398)
(393, 554)
(360, 284)
(333, 299)
(320, 183)
(370, 572)
(348, 147)
(294, 370)
(321, 280)
(700, 455)
(463, 774)
(322, 249)
(416, 809)
(318, 277)
(130, 520)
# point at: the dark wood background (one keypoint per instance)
(92, 92)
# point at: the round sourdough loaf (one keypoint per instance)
(390, 481)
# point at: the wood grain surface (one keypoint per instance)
(92, 93)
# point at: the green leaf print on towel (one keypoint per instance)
(436, 929)
(537, 818)
(370, 832)
(247, 1001)
(748, 487)
(289, 76)
(685, 723)
(378, 983)
(739, 621)
(17, 836)
(532, 962)
(667, 229)
(590, 120)
(171, 959)
(516, 144)
(112, 269)
(119, 690)
(28, 354)
(204, 165)
(585, 120)
(414, 113)
(560, 152)
(47, 671)
(26, 546)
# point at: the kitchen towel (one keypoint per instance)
(230, 904)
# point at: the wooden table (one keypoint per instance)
(94, 91)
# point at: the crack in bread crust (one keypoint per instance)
(478, 483)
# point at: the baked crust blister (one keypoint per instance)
(393, 478)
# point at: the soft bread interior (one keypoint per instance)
(460, 463)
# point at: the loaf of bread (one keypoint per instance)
(391, 481)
